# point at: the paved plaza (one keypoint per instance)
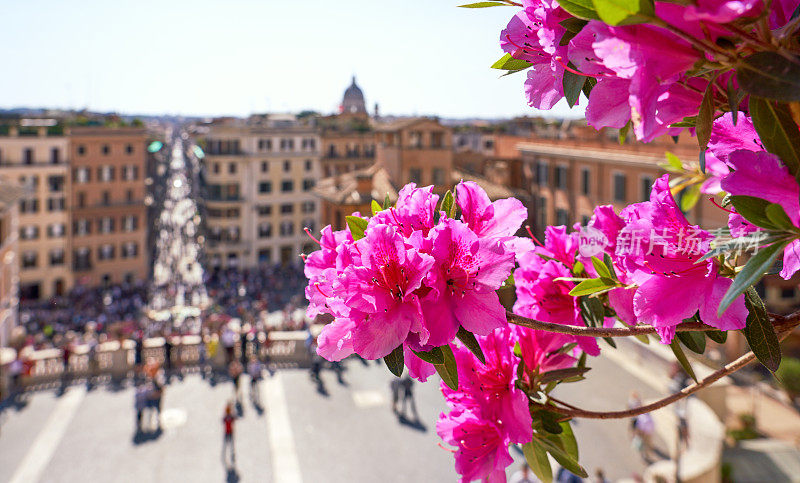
(342, 432)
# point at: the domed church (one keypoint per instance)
(353, 101)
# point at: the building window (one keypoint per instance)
(215, 168)
(29, 232)
(81, 199)
(438, 177)
(309, 207)
(265, 230)
(415, 139)
(308, 184)
(106, 198)
(130, 250)
(27, 156)
(29, 206)
(81, 150)
(82, 259)
(105, 252)
(309, 223)
(265, 255)
(287, 208)
(82, 175)
(105, 173)
(265, 187)
(231, 168)
(542, 170)
(787, 293)
(56, 230)
(129, 196)
(265, 144)
(561, 177)
(308, 165)
(437, 139)
(55, 156)
(562, 217)
(130, 223)
(619, 187)
(232, 191)
(106, 149)
(130, 172)
(541, 214)
(287, 228)
(56, 204)
(585, 184)
(264, 210)
(287, 165)
(55, 183)
(106, 224)
(585, 219)
(81, 227)
(129, 148)
(647, 185)
(29, 260)
(415, 175)
(287, 186)
(56, 257)
(264, 166)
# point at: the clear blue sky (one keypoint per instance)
(214, 57)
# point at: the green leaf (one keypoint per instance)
(554, 445)
(624, 12)
(394, 361)
(694, 341)
(574, 25)
(777, 131)
(691, 196)
(592, 311)
(386, 202)
(778, 217)
(588, 86)
(580, 8)
(734, 98)
(753, 210)
(718, 336)
(643, 339)
(684, 362)
(559, 374)
(357, 227)
(538, 461)
(592, 285)
(610, 341)
(485, 5)
(703, 161)
(610, 265)
(623, 132)
(376, 208)
(447, 204)
(601, 268)
(770, 75)
(752, 271)
(448, 371)
(573, 85)
(674, 162)
(705, 117)
(469, 340)
(433, 356)
(507, 62)
(550, 421)
(569, 441)
(759, 332)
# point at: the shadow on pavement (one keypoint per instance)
(415, 424)
(231, 475)
(141, 437)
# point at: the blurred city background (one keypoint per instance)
(163, 170)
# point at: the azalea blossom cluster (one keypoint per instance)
(415, 276)
(652, 74)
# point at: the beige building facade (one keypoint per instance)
(259, 175)
(37, 159)
(9, 264)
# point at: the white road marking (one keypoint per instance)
(285, 466)
(42, 449)
(369, 399)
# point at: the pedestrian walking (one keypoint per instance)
(407, 390)
(254, 370)
(140, 402)
(227, 442)
(235, 370)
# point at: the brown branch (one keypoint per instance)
(788, 322)
(780, 323)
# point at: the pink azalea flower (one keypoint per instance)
(481, 450)
(468, 271)
(539, 349)
(666, 262)
(722, 11)
(762, 175)
(489, 388)
(486, 219)
(413, 211)
(382, 292)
